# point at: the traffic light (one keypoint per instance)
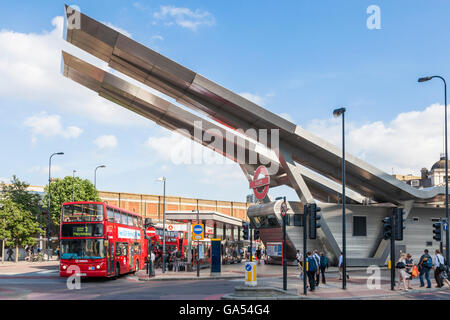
(255, 234)
(313, 220)
(437, 231)
(399, 223)
(387, 228)
(148, 223)
(245, 230)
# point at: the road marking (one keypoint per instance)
(48, 271)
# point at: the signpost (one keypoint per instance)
(283, 210)
(198, 233)
(259, 185)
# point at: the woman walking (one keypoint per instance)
(409, 265)
(402, 275)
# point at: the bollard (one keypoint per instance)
(250, 274)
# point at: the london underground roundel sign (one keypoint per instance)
(260, 185)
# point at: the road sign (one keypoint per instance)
(259, 185)
(198, 232)
(284, 208)
(150, 231)
(445, 226)
(170, 227)
(250, 274)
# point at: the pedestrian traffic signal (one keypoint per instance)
(387, 228)
(245, 230)
(313, 218)
(399, 223)
(255, 234)
(437, 231)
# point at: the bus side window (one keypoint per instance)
(135, 222)
(125, 249)
(110, 215)
(124, 218)
(130, 220)
(117, 216)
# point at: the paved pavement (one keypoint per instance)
(26, 280)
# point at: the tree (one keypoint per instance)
(20, 227)
(61, 190)
(18, 193)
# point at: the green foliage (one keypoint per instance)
(19, 213)
(61, 191)
(17, 224)
(17, 192)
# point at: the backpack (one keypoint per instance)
(400, 265)
(427, 262)
(178, 254)
(312, 266)
(323, 262)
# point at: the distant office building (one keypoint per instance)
(251, 198)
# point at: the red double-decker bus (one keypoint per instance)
(101, 240)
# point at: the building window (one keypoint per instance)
(429, 244)
(415, 219)
(359, 226)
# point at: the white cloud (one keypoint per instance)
(259, 100)
(50, 125)
(30, 67)
(184, 17)
(158, 37)
(43, 170)
(287, 116)
(5, 180)
(106, 142)
(118, 29)
(406, 144)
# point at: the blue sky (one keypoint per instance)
(299, 59)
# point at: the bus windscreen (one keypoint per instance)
(83, 213)
(83, 249)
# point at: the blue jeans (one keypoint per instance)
(425, 271)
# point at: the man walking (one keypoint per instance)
(311, 270)
(323, 266)
(425, 265)
(439, 267)
(10, 253)
(317, 260)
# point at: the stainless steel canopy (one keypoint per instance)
(297, 146)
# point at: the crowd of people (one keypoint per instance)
(407, 270)
(315, 268)
(317, 265)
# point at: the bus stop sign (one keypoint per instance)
(198, 232)
(259, 185)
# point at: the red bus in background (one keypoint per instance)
(101, 240)
(175, 240)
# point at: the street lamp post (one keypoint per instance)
(337, 113)
(73, 185)
(49, 201)
(163, 179)
(95, 179)
(424, 79)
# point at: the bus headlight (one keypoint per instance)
(64, 267)
(98, 266)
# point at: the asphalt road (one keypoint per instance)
(44, 283)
